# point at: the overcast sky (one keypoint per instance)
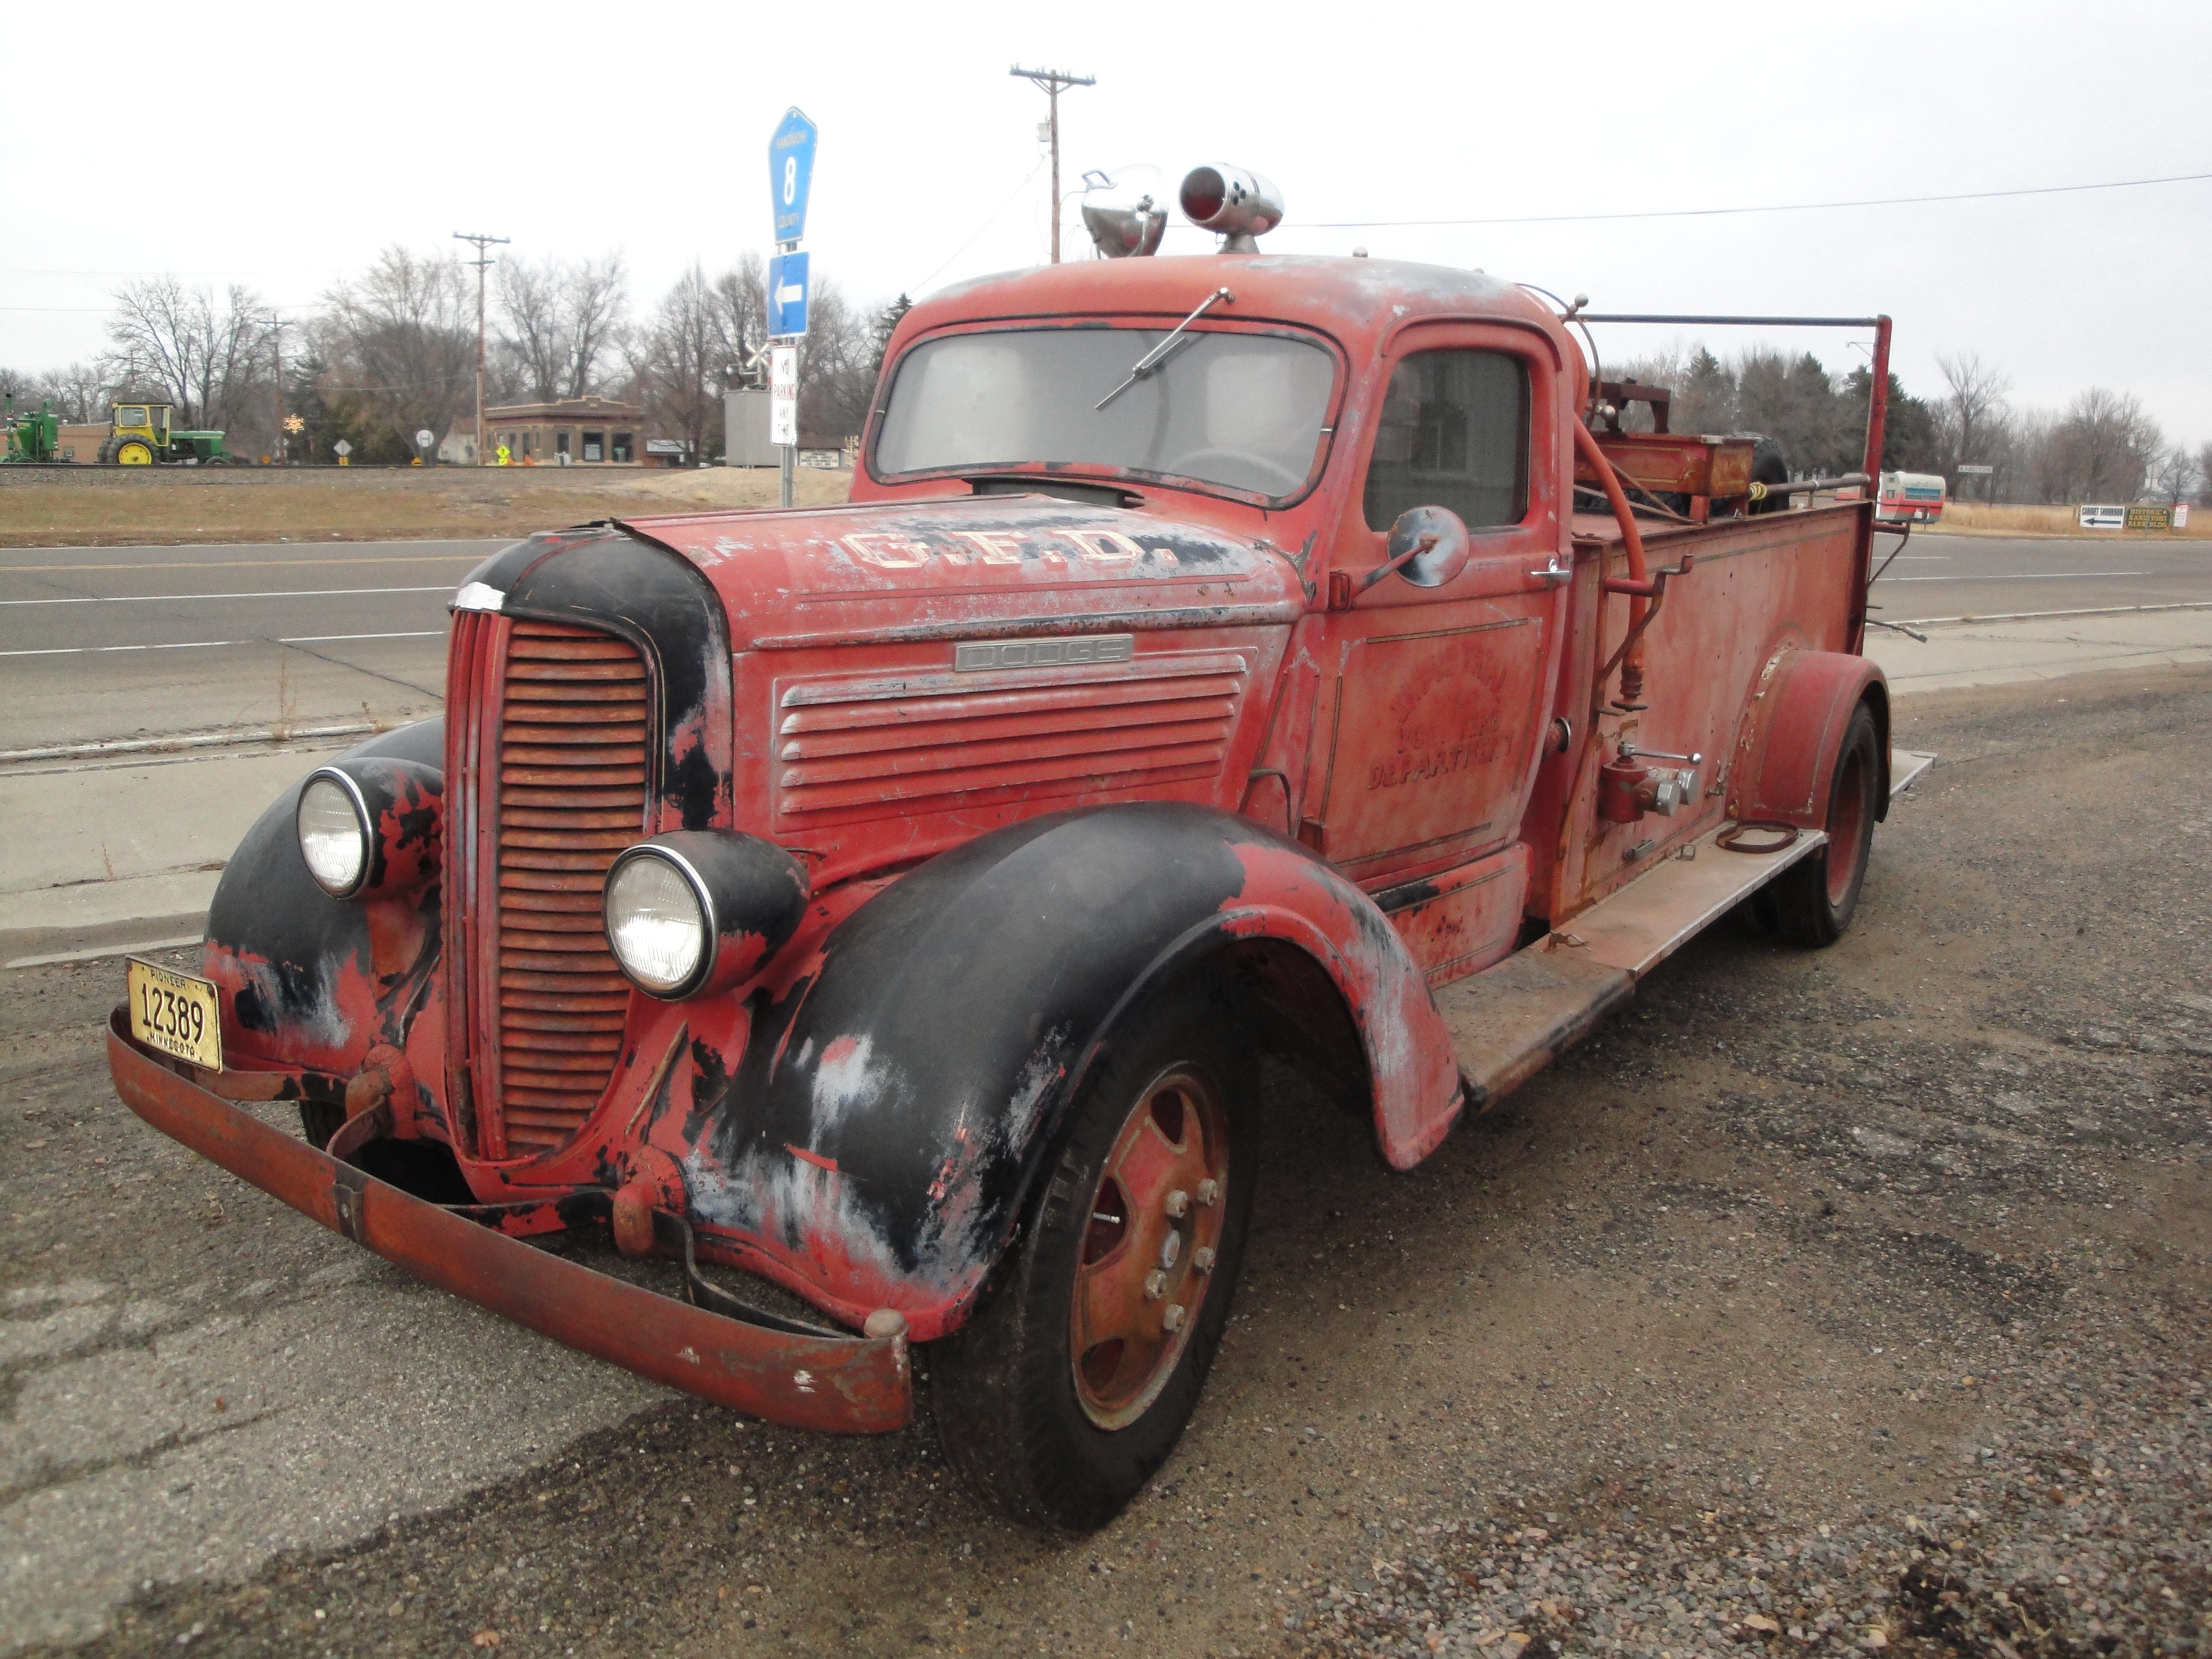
(283, 146)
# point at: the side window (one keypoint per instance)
(1454, 433)
(129, 417)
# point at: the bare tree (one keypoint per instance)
(560, 322)
(399, 344)
(837, 366)
(2174, 476)
(679, 361)
(1971, 411)
(208, 358)
(2205, 475)
(2101, 448)
(81, 391)
(741, 314)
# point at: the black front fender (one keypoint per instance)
(296, 966)
(889, 1113)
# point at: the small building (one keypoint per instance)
(573, 432)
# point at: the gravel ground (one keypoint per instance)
(1826, 1300)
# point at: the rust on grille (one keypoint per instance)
(905, 743)
(556, 767)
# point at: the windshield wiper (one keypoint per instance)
(1152, 359)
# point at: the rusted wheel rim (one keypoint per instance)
(1148, 1252)
(1847, 826)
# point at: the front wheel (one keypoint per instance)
(1072, 1381)
(1815, 897)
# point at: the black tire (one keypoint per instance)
(1815, 897)
(1056, 1438)
(1768, 467)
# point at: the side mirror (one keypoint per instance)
(1428, 547)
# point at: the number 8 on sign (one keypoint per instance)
(790, 178)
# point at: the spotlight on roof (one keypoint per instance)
(1239, 204)
(1121, 232)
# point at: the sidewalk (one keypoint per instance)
(134, 846)
(115, 853)
(2004, 652)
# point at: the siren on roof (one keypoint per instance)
(1237, 203)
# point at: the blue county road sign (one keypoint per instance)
(786, 293)
(791, 174)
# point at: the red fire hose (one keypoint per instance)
(1631, 667)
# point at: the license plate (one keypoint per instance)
(175, 1013)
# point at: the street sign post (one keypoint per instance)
(342, 449)
(787, 296)
(791, 174)
(790, 182)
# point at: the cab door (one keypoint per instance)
(1434, 699)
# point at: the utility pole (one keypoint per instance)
(481, 262)
(1053, 81)
(276, 349)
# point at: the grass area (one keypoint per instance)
(88, 506)
(1972, 519)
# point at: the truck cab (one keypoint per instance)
(894, 901)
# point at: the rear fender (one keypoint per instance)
(892, 1108)
(1793, 724)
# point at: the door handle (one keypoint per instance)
(1552, 571)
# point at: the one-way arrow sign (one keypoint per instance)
(787, 295)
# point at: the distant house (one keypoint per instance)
(573, 432)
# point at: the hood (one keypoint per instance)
(972, 567)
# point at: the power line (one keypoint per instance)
(1776, 207)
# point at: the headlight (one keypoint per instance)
(334, 832)
(658, 921)
(696, 911)
(371, 827)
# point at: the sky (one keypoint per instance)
(285, 147)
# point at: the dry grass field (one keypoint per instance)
(42, 506)
(1972, 519)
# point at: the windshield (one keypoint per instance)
(1245, 410)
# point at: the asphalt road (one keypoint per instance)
(116, 642)
(1825, 1302)
(1945, 576)
(104, 643)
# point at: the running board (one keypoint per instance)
(1512, 1020)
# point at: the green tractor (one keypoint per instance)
(138, 435)
(31, 438)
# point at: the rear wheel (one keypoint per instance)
(1815, 897)
(1075, 1377)
(134, 451)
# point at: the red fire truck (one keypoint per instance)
(880, 912)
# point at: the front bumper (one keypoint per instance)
(839, 1384)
